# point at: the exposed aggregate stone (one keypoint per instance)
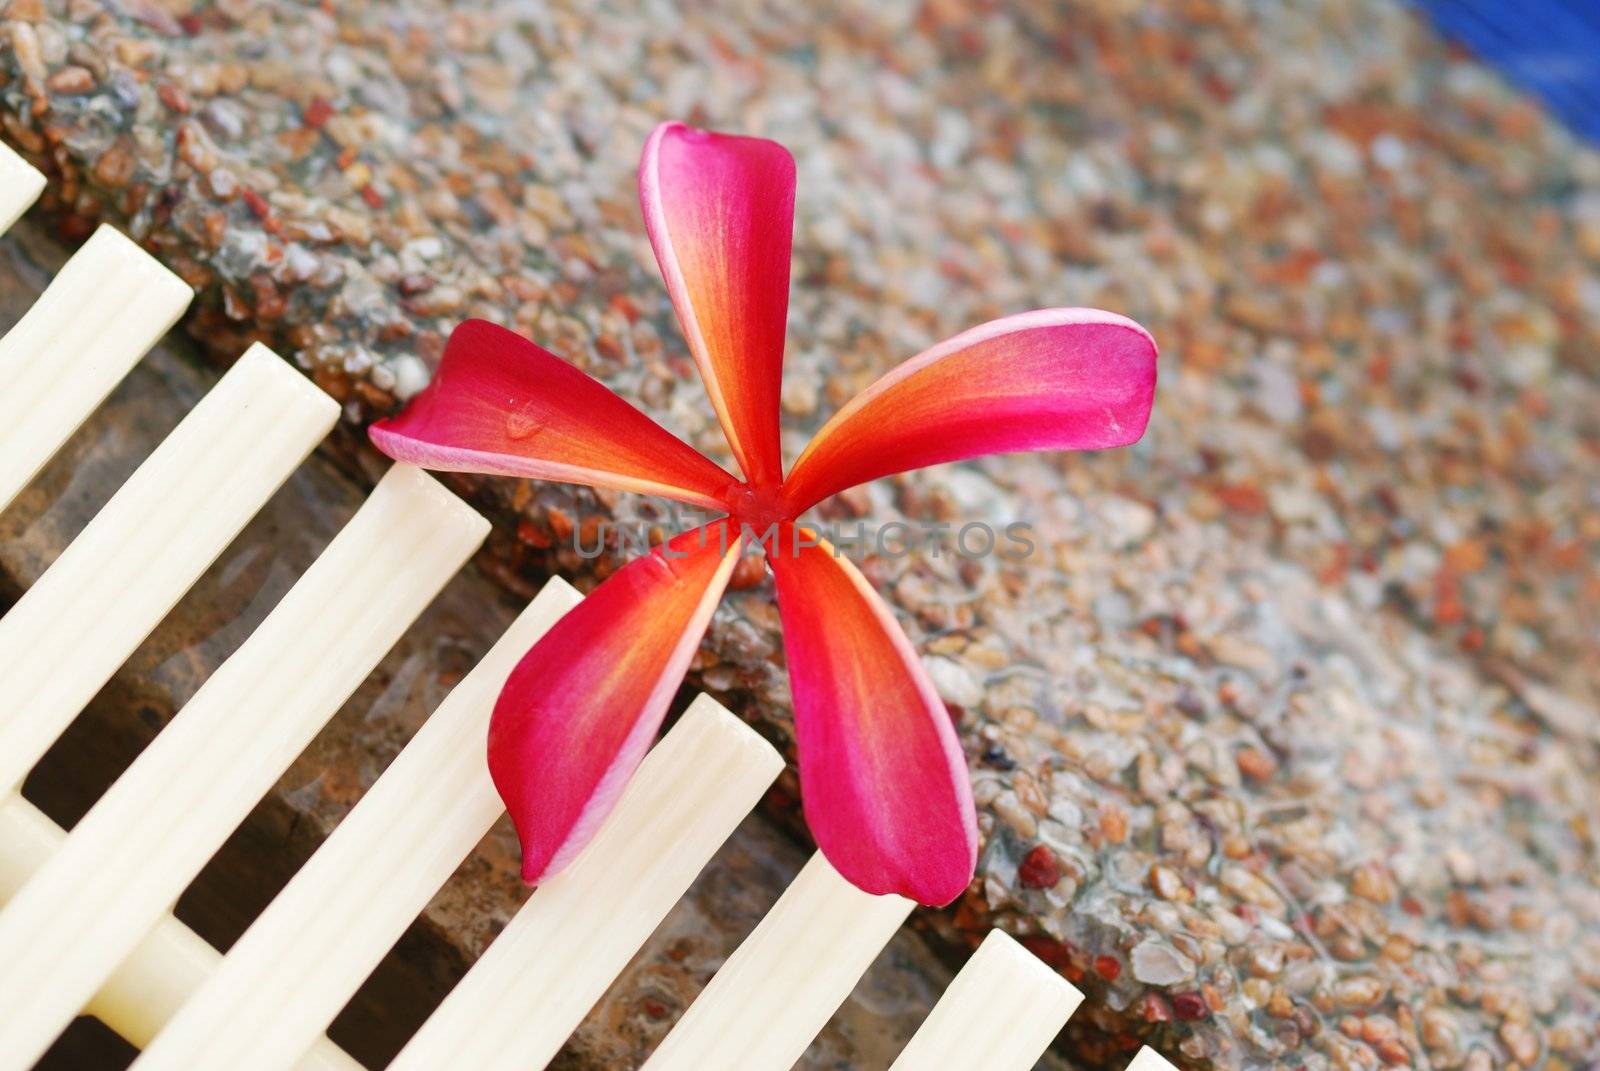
(1284, 738)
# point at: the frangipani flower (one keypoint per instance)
(883, 780)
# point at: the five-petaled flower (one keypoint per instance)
(883, 780)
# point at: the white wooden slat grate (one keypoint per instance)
(151, 833)
(159, 975)
(292, 971)
(68, 633)
(84, 921)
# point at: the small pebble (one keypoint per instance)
(1155, 963)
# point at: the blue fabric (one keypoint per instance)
(1549, 47)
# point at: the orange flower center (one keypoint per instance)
(757, 507)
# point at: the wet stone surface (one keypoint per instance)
(1284, 736)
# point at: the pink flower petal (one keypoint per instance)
(882, 776)
(582, 707)
(1057, 379)
(720, 212)
(501, 405)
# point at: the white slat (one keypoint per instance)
(114, 584)
(300, 962)
(554, 960)
(97, 318)
(159, 975)
(1148, 1059)
(1000, 1013)
(20, 186)
(129, 858)
(780, 987)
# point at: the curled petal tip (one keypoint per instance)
(936, 879)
